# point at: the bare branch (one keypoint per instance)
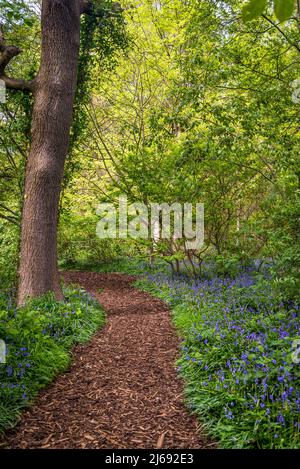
(10, 219)
(7, 53)
(290, 41)
(4, 207)
(18, 84)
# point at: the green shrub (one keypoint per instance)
(78, 243)
(38, 338)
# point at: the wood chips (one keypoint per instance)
(122, 390)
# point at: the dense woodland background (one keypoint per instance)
(181, 101)
(197, 107)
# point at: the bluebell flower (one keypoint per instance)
(280, 419)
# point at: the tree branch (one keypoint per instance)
(4, 207)
(7, 53)
(289, 40)
(10, 219)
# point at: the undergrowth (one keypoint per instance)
(238, 357)
(38, 340)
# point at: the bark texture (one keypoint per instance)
(51, 121)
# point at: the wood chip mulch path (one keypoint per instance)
(122, 390)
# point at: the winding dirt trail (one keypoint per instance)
(122, 390)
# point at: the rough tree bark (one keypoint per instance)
(54, 91)
(51, 121)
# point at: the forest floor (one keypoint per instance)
(122, 389)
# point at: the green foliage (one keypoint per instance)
(283, 9)
(103, 39)
(226, 265)
(38, 339)
(183, 115)
(79, 245)
(20, 26)
(17, 11)
(253, 9)
(231, 143)
(284, 246)
(198, 109)
(9, 254)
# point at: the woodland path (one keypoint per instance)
(122, 390)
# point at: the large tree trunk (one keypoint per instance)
(52, 114)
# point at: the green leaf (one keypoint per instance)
(253, 9)
(3, 315)
(29, 22)
(284, 9)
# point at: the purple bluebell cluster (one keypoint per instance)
(236, 356)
